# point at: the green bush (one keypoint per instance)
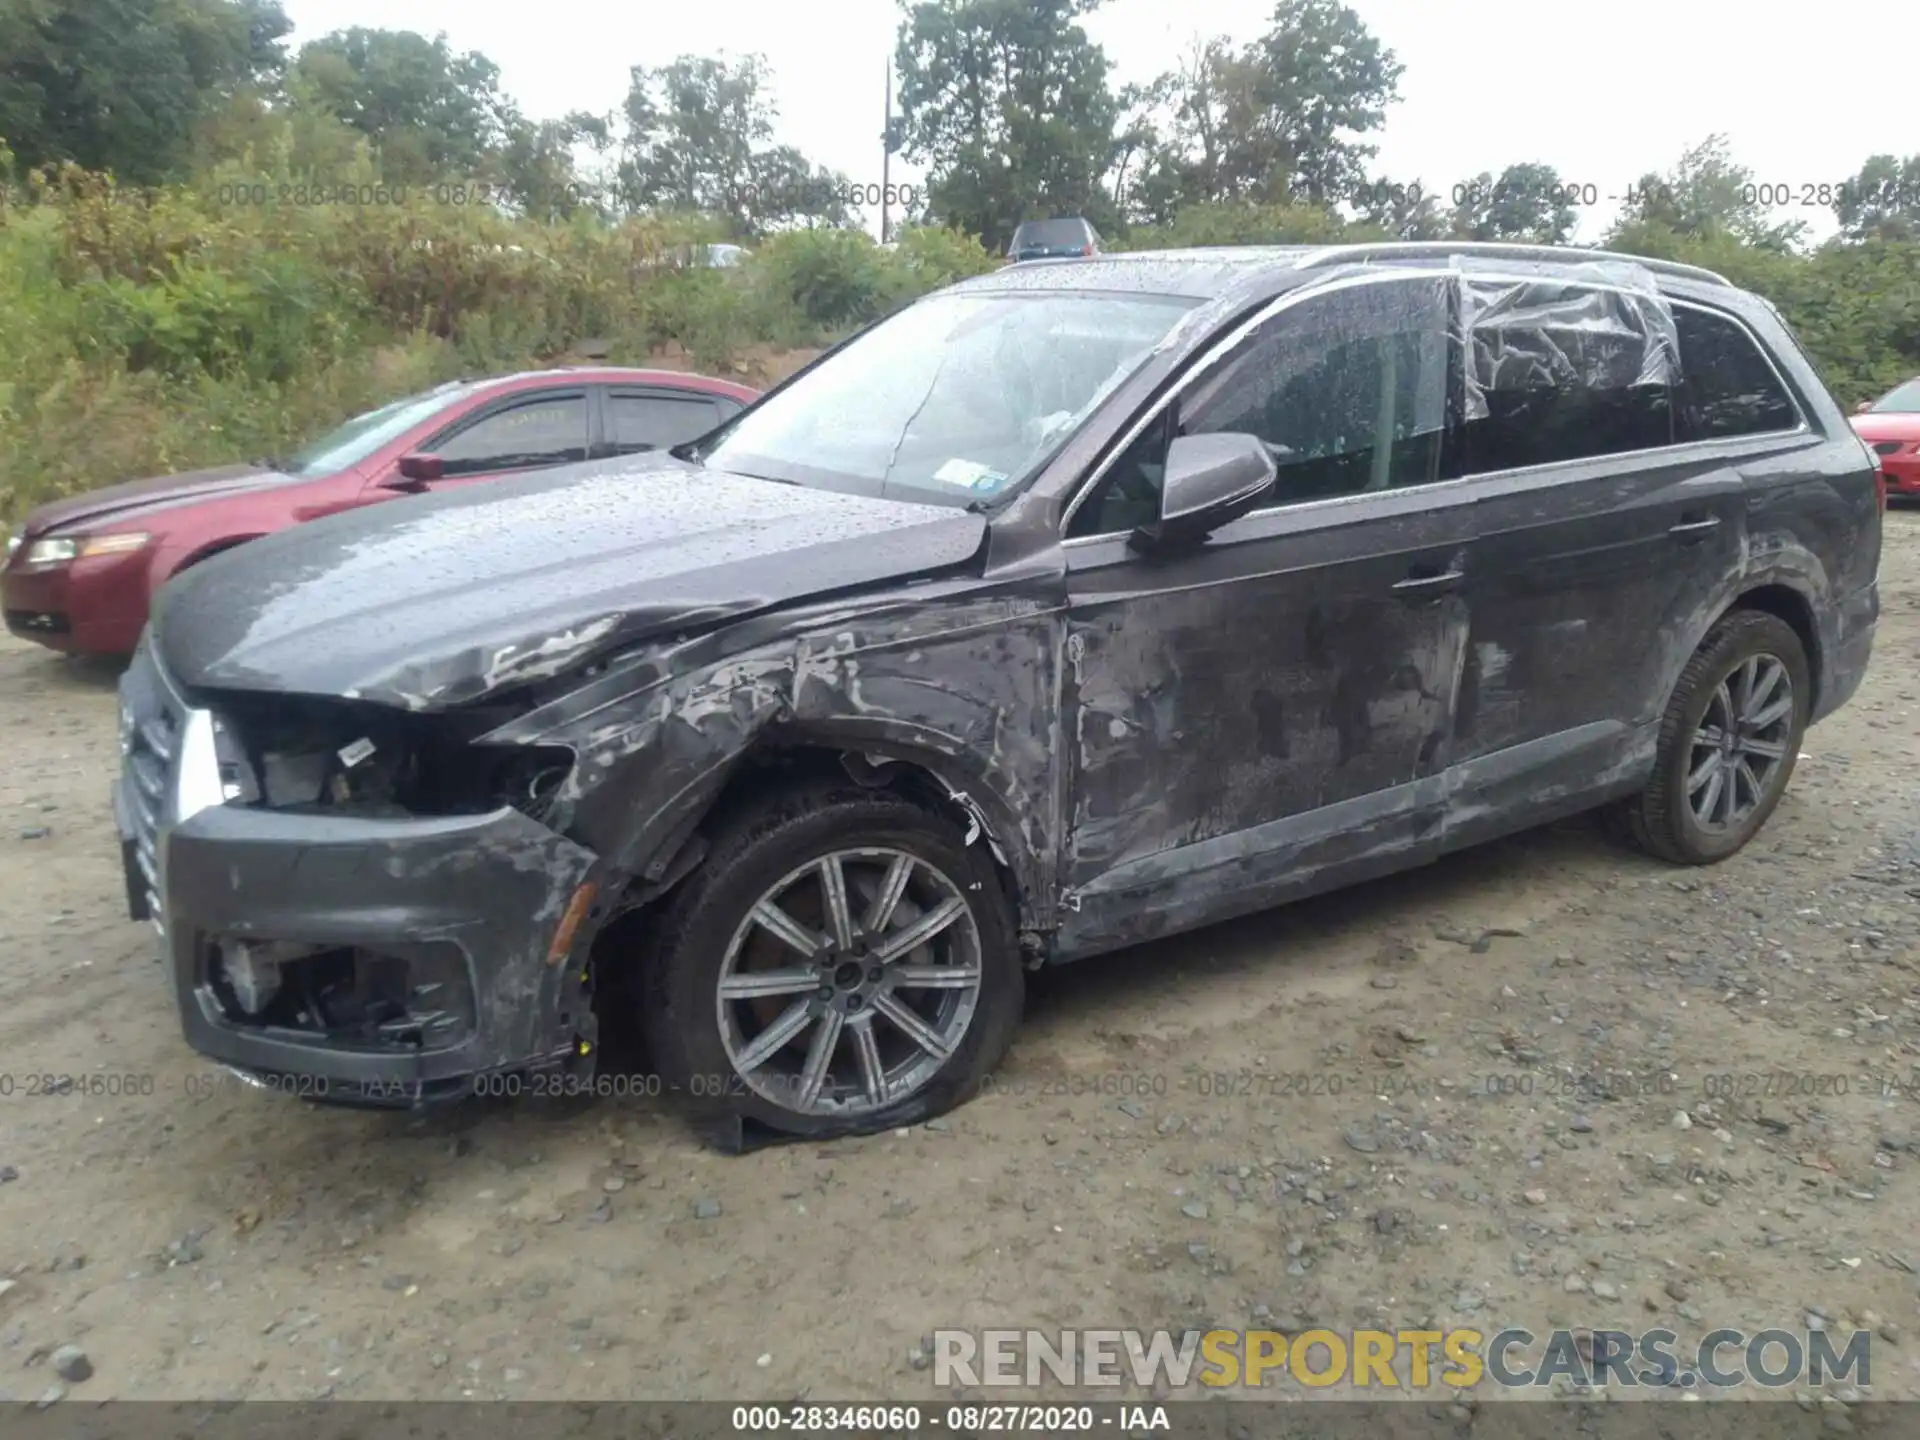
(833, 278)
(934, 256)
(143, 331)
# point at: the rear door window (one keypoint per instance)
(1558, 372)
(638, 421)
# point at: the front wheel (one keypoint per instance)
(1728, 742)
(841, 962)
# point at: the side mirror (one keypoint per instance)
(1210, 480)
(416, 468)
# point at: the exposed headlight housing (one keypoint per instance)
(64, 549)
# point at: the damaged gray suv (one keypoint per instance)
(1070, 606)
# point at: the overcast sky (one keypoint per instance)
(1603, 93)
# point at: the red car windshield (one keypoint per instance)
(1901, 400)
(347, 446)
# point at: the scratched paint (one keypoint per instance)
(1144, 745)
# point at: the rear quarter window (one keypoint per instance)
(1728, 387)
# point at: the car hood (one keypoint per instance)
(1890, 426)
(121, 503)
(440, 599)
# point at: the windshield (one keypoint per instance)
(1902, 400)
(1053, 234)
(361, 436)
(952, 400)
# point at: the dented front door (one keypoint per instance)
(1270, 712)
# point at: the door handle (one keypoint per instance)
(1695, 526)
(1427, 582)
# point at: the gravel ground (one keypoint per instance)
(1544, 1083)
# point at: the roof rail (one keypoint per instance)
(1417, 249)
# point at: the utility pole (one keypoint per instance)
(886, 153)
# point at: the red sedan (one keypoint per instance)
(1891, 428)
(82, 571)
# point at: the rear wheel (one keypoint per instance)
(841, 961)
(1728, 742)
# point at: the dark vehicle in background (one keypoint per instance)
(1891, 428)
(1052, 240)
(1071, 606)
(81, 572)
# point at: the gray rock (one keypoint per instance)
(706, 1209)
(1469, 1301)
(1194, 1210)
(1605, 1289)
(8, 1172)
(1676, 1288)
(70, 1363)
(35, 832)
(1361, 1140)
(52, 1395)
(1580, 1125)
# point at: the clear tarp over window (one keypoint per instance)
(1599, 326)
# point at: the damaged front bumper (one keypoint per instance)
(350, 959)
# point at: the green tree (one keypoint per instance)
(1402, 210)
(1322, 79)
(121, 85)
(432, 112)
(700, 138)
(1705, 194)
(1278, 120)
(1006, 102)
(1882, 202)
(1527, 202)
(536, 162)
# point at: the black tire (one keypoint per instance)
(752, 853)
(1660, 819)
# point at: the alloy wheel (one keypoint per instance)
(850, 982)
(1740, 745)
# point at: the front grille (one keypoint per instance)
(1887, 447)
(150, 739)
